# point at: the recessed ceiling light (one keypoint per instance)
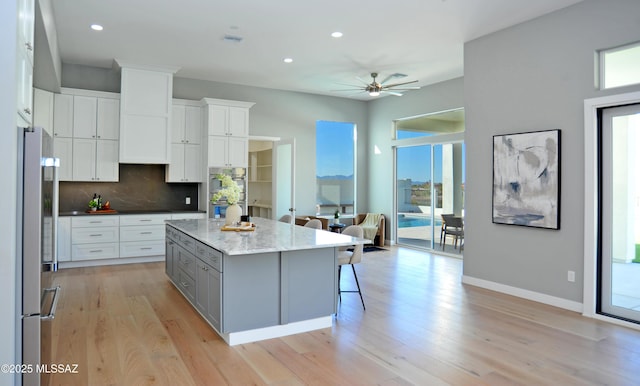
(288, 60)
(96, 27)
(336, 34)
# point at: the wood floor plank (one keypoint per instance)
(128, 325)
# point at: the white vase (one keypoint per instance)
(234, 212)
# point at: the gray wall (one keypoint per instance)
(535, 76)
(276, 113)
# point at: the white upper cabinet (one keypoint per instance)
(228, 120)
(186, 163)
(186, 124)
(43, 110)
(227, 125)
(24, 62)
(108, 119)
(145, 114)
(63, 115)
(84, 117)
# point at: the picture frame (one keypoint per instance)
(526, 179)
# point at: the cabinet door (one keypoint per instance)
(108, 119)
(193, 125)
(84, 159)
(192, 163)
(107, 160)
(43, 110)
(63, 149)
(26, 25)
(238, 152)
(24, 85)
(202, 287)
(175, 169)
(239, 121)
(63, 115)
(64, 239)
(84, 117)
(177, 123)
(170, 247)
(218, 120)
(214, 308)
(217, 154)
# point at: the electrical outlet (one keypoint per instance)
(571, 276)
(187, 200)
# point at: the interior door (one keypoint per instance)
(620, 213)
(284, 172)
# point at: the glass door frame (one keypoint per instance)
(591, 206)
(440, 139)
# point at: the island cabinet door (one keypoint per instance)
(202, 287)
(214, 308)
(170, 247)
(250, 291)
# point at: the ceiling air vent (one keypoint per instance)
(232, 38)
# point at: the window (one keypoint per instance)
(335, 167)
(619, 66)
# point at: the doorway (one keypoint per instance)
(619, 258)
(429, 178)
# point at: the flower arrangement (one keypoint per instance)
(336, 215)
(230, 190)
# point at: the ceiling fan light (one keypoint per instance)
(374, 93)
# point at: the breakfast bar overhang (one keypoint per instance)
(277, 279)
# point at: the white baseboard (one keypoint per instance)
(242, 337)
(525, 294)
(96, 263)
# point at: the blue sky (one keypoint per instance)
(334, 154)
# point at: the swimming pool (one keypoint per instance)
(405, 221)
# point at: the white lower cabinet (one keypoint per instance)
(142, 235)
(94, 238)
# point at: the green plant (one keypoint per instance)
(230, 190)
(336, 214)
(93, 204)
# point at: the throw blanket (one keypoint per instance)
(370, 226)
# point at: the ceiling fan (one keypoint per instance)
(376, 88)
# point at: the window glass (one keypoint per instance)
(620, 66)
(335, 167)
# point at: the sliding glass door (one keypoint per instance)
(619, 272)
(429, 183)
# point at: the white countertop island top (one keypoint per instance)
(268, 236)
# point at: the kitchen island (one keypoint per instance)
(276, 280)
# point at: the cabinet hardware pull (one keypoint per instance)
(145, 219)
(96, 235)
(29, 46)
(185, 285)
(145, 248)
(95, 251)
(145, 233)
(27, 111)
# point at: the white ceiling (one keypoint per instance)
(420, 38)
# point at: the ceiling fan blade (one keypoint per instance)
(388, 78)
(402, 88)
(362, 80)
(349, 89)
(350, 85)
(392, 92)
(399, 84)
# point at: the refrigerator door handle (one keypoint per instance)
(54, 303)
(54, 213)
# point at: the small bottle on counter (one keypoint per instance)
(99, 202)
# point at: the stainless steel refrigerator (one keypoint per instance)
(38, 192)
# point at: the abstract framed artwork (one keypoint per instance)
(526, 179)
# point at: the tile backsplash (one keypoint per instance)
(140, 187)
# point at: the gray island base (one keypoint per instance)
(277, 280)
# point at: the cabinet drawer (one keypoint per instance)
(171, 233)
(142, 248)
(94, 251)
(187, 262)
(209, 256)
(142, 233)
(186, 242)
(187, 284)
(94, 235)
(93, 221)
(144, 219)
(188, 216)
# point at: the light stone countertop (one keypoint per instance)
(268, 236)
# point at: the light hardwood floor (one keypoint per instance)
(127, 325)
